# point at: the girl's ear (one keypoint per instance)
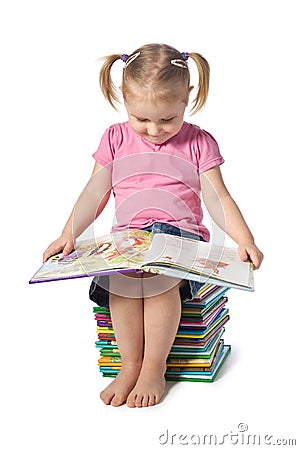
(190, 89)
(121, 89)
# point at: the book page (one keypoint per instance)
(213, 261)
(124, 249)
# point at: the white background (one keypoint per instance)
(52, 118)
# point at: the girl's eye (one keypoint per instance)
(141, 120)
(167, 120)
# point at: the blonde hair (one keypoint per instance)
(152, 70)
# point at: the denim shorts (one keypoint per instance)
(100, 293)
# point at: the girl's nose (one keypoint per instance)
(153, 130)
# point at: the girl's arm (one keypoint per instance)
(227, 215)
(87, 208)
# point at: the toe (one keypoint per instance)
(118, 400)
(151, 400)
(139, 400)
(145, 401)
(106, 397)
(131, 401)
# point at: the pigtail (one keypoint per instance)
(203, 82)
(107, 86)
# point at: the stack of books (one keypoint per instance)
(198, 352)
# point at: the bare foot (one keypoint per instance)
(117, 391)
(149, 388)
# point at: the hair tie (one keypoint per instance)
(124, 57)
(185, 56)
(129, 59)
(181, 62)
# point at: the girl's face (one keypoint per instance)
(156, 121)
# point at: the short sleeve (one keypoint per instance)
(209, 152)
(105, 153)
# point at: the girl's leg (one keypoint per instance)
(162, 311)
(128, 325)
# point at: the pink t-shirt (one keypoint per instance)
(158, 182)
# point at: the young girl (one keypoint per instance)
(156, 164)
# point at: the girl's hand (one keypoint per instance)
(63, 243)
(249, 252)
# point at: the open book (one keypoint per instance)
(159, 253)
